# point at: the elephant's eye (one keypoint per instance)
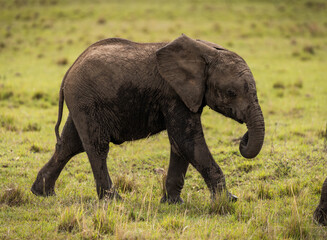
(231, 93)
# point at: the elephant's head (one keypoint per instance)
(204, 73)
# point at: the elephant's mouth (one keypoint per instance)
(233, 115)
(229, 112)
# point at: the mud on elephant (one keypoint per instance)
(118, 91)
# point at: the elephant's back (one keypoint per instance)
(109, 68)
(114, 61)
(119, 49)
(125, 42)
(121, 56)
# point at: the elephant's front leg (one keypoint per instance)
(175, 178)
(201, 158)
(186, 137)
(203, 161)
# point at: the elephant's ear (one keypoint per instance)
(210, 44)
(181, 64)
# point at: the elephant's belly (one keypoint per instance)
(133, 136)
(131, 133)
(133, 127)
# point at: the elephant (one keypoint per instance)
(118, 90)
(320, 214)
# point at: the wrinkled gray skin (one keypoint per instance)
(320, 215)
(119, 90)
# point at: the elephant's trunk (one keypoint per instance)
(252, 140)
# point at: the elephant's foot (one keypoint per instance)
(110, 195)
(320, 215)
(231, 197)
(171, 200)
(40, 188)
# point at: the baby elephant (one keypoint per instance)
(118, 91)
(320, 215)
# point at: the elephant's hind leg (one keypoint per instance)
(70, 146)
(96, 144)
(100, 171)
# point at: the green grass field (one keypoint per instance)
(285, 45)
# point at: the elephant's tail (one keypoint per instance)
(61, 101)
(61, 105)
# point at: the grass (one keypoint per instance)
(13, 196)
(69, 220)
(222, 205)
(283, 42)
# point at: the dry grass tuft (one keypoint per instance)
(104, 222)
(13, 196)
(295, 228)
(40, 95)
(35, 148)
(279, 85)
(222, 205)
(125, 183)
(6, 94)
(174, 223)
(8, 123)
(62, 62)
(101, 21)
(70, 220)
(264, 191)
(32, 127)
